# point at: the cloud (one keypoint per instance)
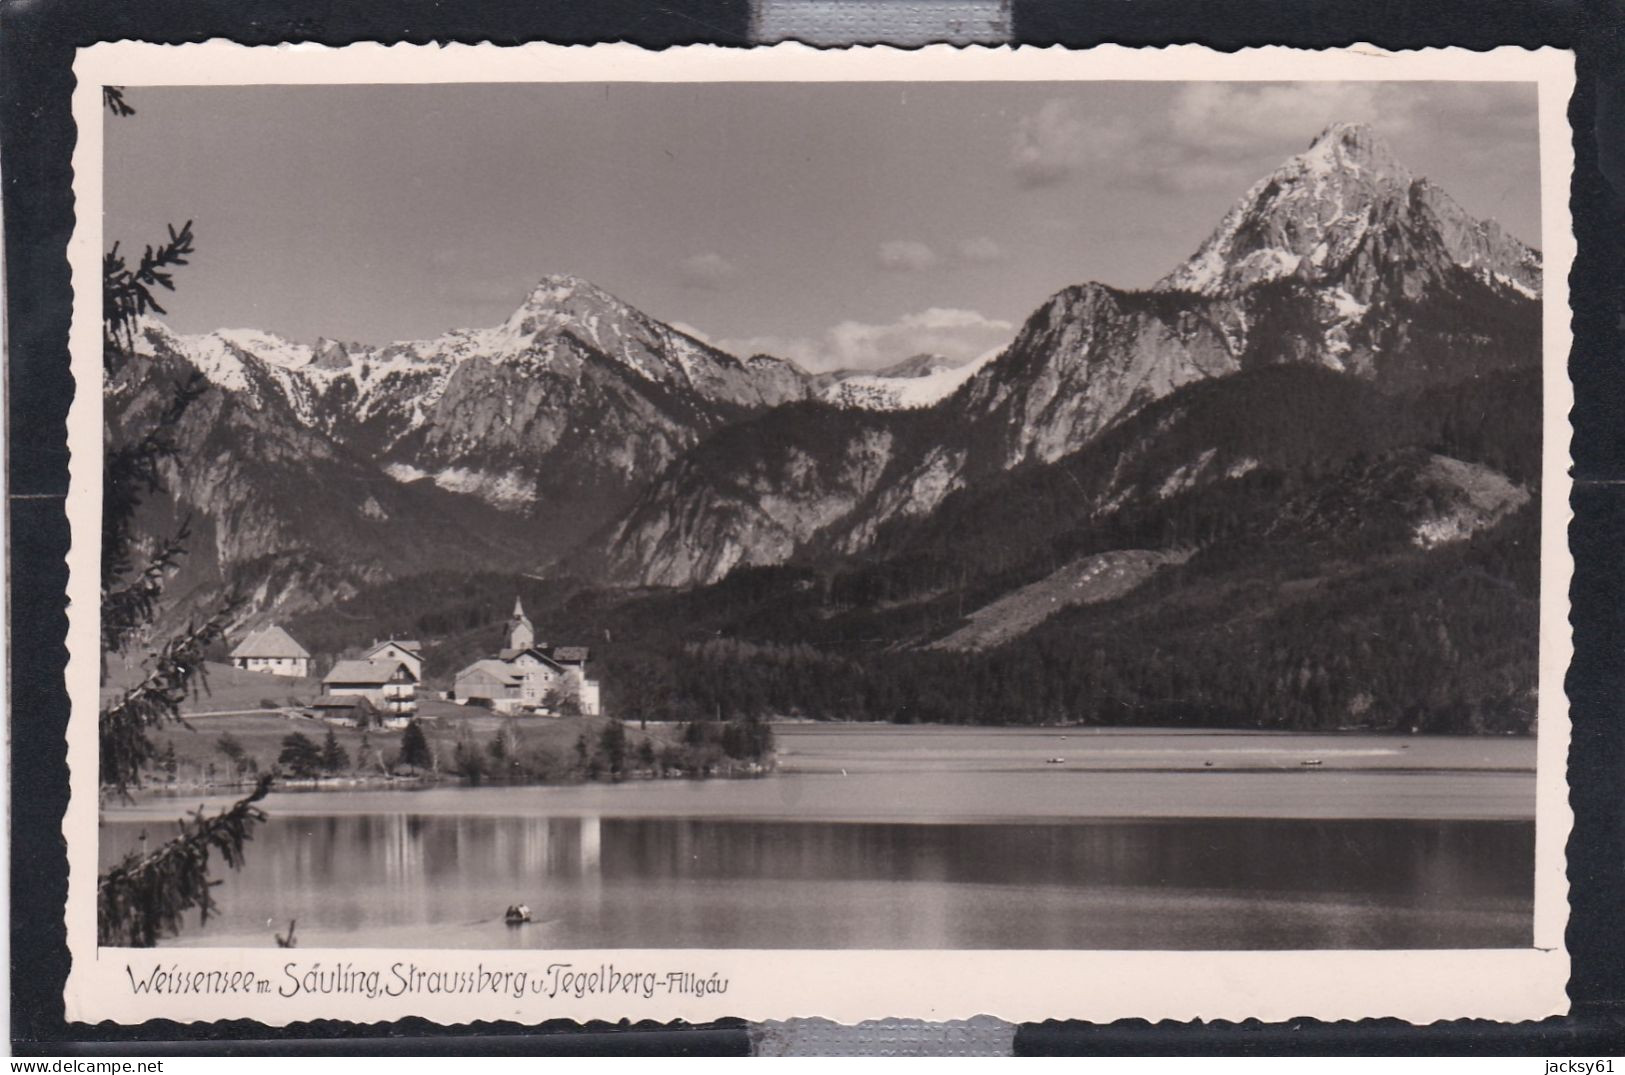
(1049, 144)
(1224, 135)
(689, 330)
(1063, 141)
(906, 255)
(956, 334)
(980, 250)
(1229, 134)
(1233, 118)
(706, 271)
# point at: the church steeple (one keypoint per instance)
(521, 634)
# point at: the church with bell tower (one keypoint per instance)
(521, 632)
(525, 675)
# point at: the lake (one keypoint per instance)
(889, 837)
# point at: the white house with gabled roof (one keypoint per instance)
(408, 651)
(273, 650)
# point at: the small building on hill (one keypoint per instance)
(344, 706)
(527, 677)
(391, 687)
(408, 652)
(491, 682)
(273, 650)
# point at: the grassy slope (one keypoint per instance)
(1086, 581)
(227, 689)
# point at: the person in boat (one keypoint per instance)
(517, 914)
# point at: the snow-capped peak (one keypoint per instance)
(396, 389)
(560, 289)
(1310, 216)
(1351, 148)
(567, 303)
(265, 345)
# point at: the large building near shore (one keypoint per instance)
(529, 677)
(390, 686)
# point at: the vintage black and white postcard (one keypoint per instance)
(594, 533)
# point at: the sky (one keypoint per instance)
(841, 225)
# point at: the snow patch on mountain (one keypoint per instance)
(881, 391)
(265, 346)
(1477, 498)
(1346, 306)
(405, 473)
(503, 488)
(218, 361)
(1185, 476)
(1489, 276)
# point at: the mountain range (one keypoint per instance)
(1343, 377)
(1340, 259)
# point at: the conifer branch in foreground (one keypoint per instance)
(175, 668)
(144, 897)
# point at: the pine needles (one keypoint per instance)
(144, 897)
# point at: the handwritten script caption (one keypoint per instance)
(402, 978)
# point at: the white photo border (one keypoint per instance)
(206, 984)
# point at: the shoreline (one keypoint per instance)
(1374, 795)
(945, 775)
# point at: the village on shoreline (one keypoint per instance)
(383, 687)
(528, 714)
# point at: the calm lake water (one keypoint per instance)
(921, 838)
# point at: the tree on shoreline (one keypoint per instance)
(415, 747)
(302, 757)
(335, 759)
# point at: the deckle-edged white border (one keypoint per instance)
(847, 986)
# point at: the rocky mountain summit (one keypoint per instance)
(556, 417)
(477, 409)
(1346, 213)
(484, 411)
(1340, 259)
